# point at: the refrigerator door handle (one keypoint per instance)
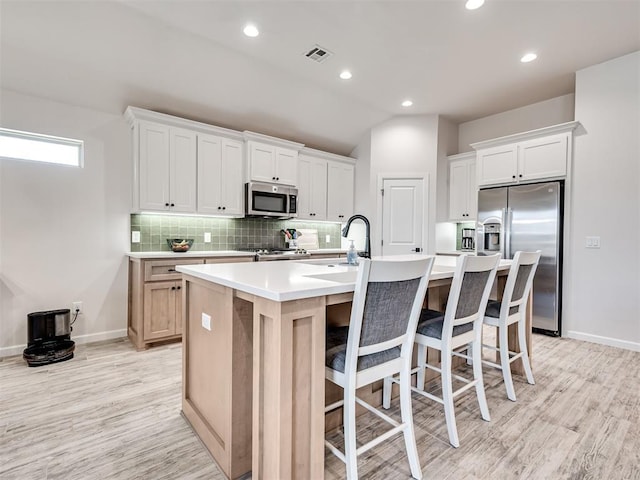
(508, 216)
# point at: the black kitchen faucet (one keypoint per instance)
(345, 232)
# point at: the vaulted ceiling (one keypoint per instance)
(191, 59)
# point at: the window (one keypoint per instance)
(40, 148)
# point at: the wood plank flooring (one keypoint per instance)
(114, 413)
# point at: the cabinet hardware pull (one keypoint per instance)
(520, 175)
(224, 208)
(219, 208)
(173, 204)
(173, 288)
(513, 176)
(166, 204)
(171, 270)
(178, 288)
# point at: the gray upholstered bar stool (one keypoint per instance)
(512, 309)
(378, 343)
(460, 325)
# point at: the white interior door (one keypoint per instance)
(402, 216)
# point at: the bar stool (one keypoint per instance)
(512, 309)
(460, 325)
(378, 343)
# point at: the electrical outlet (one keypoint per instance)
(327, 239)
(77, 307)
(592, 242)
(206, 321)
(207, 237)
(135, 236)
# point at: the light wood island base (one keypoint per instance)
(254, 379)
(272, 351)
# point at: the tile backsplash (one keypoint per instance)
(226, 233)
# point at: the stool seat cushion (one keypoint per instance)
(336, 351)
(493, 309)
(432, 321)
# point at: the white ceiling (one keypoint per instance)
(190, 58)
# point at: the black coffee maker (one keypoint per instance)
(49, 338)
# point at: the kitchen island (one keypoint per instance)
(253, 359)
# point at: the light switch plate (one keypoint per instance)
(206, 321)
(135, 236)
(327, 239)
(207, 237)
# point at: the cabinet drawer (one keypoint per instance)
(156, 270)
(247, 258)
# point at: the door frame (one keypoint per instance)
(422, 176)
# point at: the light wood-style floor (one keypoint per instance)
(114, 413)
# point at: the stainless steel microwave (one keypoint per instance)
(269, 200)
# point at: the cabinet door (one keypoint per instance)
(159, 309)
(209, 174)
(543, 157)
(231, 186)
(340, 186)
(154, 166)
(312, 188)
(458, 190)
(472, 191)
(262, 162)
(497, 165)
(286, 166)
(182, 180)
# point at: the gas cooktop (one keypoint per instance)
(274, 253)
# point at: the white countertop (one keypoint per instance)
(217, 253)
(191, 254)
(293, 280)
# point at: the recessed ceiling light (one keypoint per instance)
(251, 30)
(529, 57)
(345, 75)
(473, 4)
(407, 103)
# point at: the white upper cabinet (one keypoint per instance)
(340, 187)
(312, 187)
(536, 155)
(220, 186)
(272, 160)
(543, 157)
(183, 166)
(167, 168)
(463, 192)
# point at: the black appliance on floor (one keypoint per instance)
(49, 338)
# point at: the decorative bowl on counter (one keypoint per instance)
(179, 244)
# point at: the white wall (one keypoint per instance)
(402, 145)
(603, 294)
(542, 114)
(64, 231)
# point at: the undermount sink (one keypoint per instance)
(338, 277)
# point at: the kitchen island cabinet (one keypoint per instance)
(155, 292)
(266, 322)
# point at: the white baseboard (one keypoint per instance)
(80, 340)
(611, 342)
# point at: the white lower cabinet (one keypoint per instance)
(220, 187)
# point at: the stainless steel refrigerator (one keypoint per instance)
(527, 217)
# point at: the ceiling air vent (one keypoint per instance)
(318, 54)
